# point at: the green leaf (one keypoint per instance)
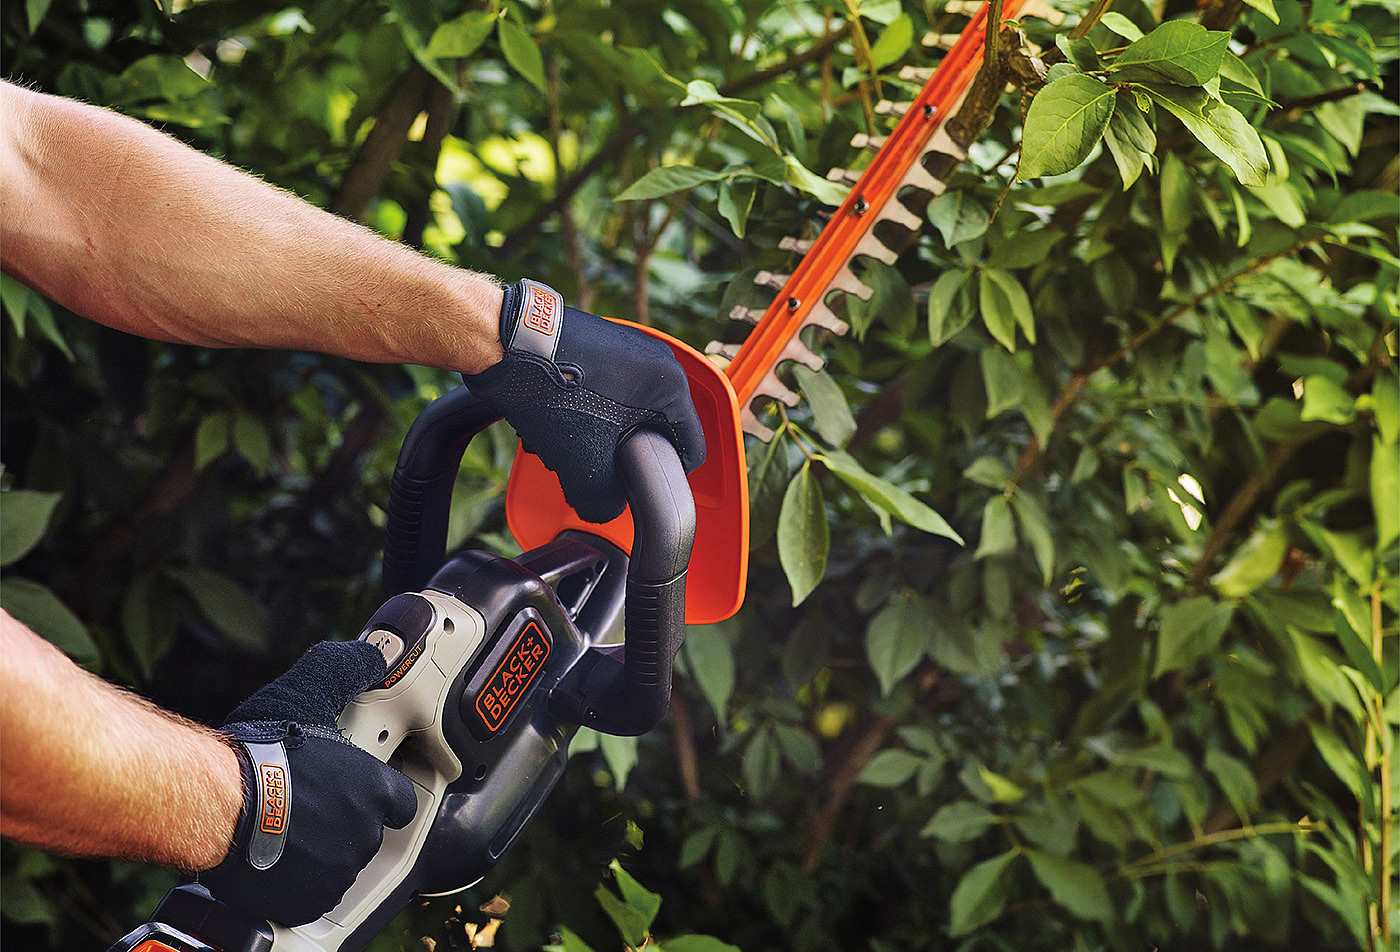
(1002, 789)
(998, 530)
(1007, 296)
(521, 52)
(667, 180)
(980, 895)
(958, 217)
(1076, 886)
(50, 619)
(735, 202)
(24, 517)
(742, 114)
(1265, 7)
(620, 754)
(697, 846)
(1327, 401)
(227, 606)
(897, 637)
(251, 440)
(637, 896)
(711, 663)
(1035, 529)
(1121, 25)
(890, 768)
(35, 11)
(1220, 128)
(1003, 379)
(804, 535)
(1189, 630)
(696, 943)
(1235, 69)
(460, 37)
(1254, 563)
(148, 620)
(895, 40)
(959, 821)
(884, 495)
(1179, 52)
(1024, 249)
(831, 413)
(941, 302)
(212, 438)
(1067, 118)
(630, 922)
(800, 177)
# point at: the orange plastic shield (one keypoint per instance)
(719, 562)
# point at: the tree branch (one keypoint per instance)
(382, 146)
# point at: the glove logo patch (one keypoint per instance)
(512, 676)
(274, 798)
(541, 310)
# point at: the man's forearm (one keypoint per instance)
(91, 770)
(125, 225)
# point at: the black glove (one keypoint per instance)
(314, 805)
(573, 385)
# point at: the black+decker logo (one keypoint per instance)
(512, 676)
(274, 798)
(541, 311)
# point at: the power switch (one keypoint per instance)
(399, 629)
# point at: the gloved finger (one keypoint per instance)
(316, 689)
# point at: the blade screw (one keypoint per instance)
(929, 110)
(793, 304)
(861, 206)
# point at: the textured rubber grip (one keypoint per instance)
(420, 493)
(632, 696)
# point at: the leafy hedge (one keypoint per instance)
(1073, 604)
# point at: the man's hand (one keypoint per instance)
(315, 805)
(574, 385)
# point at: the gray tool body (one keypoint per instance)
(493, 664)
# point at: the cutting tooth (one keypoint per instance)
(800, 352)
(875, 248)
(847, 281)
(966, 7)
(863, 141)
(1035, 8)
(942, 143)
(799, 245)
(718, 348)
(941, 41)
(844, 176)
(771, 387)
(887, 108)
(916, 74)
(823, 316)
(749, 315)
(897, 212)
(748, 421)
(770, 279)
(919, 177)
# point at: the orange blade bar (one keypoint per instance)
(859, 212)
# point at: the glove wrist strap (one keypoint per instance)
(531, 317)
(269, 802)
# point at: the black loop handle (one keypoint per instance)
(617, 697)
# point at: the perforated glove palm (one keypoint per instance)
(574, 385)
(314, 805)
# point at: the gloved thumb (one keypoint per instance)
(402, 801)
(316, 689)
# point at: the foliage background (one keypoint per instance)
(1150, 703)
